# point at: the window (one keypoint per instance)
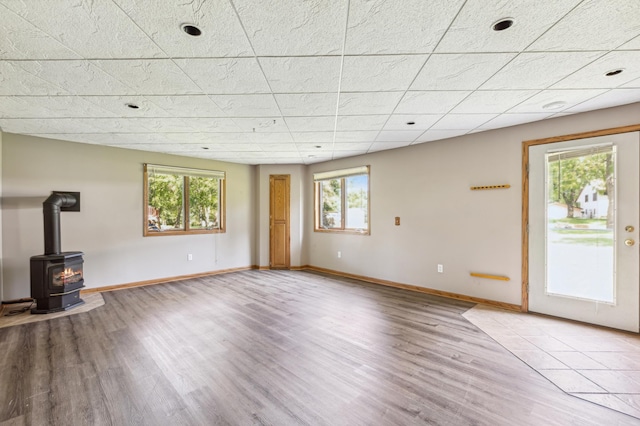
(342, 200)
(595, 196)
(182, 201)
(586, 198)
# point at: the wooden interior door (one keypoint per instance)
(279, 253)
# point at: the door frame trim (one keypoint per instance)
(524, 307)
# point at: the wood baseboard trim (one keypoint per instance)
(456, 296)
(164, 280)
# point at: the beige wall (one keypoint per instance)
(1, 257)
(297, 227)
(109, 227)
(442, 220)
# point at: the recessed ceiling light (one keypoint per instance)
(410, 123)
(614, 72)
(310, 155)
(502, 24)
(191, 29)
(132, 106)
(318, 146)
(205, 147)
(554, 105)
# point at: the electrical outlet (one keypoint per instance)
(189, 256)
(339, 254)
(440, 268)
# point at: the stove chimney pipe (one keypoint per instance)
(51, 211)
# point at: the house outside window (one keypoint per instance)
(342, 201)
(183, 201)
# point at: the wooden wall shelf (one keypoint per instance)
(490, 277)
(480, 188)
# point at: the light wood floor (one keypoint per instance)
(278, 348)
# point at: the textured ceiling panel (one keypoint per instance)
(368, 102)
(492, 101)
(277, 28)
(225, 76)
(430, 102)
(296, 75)
(222, 34)
(458, 72)
(472, 30)
(409, 26)
(539, 70)
(609, 24)
(594, 75)
(568, 97)
(92, 29)
(23, 40)
(270, 82)
(380, 73)
(293, 104)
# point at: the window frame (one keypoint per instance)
(342, 175)
(185, 173)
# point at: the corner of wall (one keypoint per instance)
(1, 194)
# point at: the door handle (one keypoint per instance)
(629, 228)
(629, 242)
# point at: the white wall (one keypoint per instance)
(109, 227)
(442, 220)
(297, 192)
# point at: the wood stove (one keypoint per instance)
(56, 277)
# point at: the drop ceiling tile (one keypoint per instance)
(379, 73)
(492, 101)
(90, 138)
(408, 26)
(434, 135)
(187, 124)
(117, 106)
(257, 125)
(307, 104)
(358, 136)
(225, 76)
(77, 77)
(345, 154)
(398, 135)
(539, 70)
(277, 28)
(23, 40)
(186, 105)
(351, 146)
(247, 105)
(117, 125)
(360, 103)
(608, 99)
(33, 126)
(310, 124)
(314, 137)
(302, 74)
(593, 75)
(310, 148)
(571, 97)
(472, 29)
(420, 102)
(610, 23)
(235, 147)
(506, 120)
(222, 33)
(268, 138)
(632, 84)
(462, 121)
(49, 106)
(458, 71)
(631, 45)
(422, 121)
(383, 146)
(279, 147)
(361, 122)
(150, 76)
(144, 147)
(102, 23)
(14, 81)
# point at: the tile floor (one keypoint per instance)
(91, 301)
(593, 363)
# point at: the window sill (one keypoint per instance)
(343, 231)
(190, 232)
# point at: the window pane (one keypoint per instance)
(166, 207)
(357, 200)
(331, 203)
(203, 203)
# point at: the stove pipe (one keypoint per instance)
(51, 211)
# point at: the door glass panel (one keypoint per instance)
(580, 223)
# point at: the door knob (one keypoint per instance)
(629, 242)
(629, 228)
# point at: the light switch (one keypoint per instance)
(397, 220)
